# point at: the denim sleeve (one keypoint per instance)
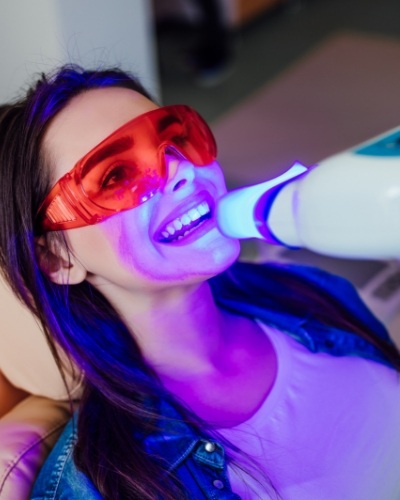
(59, 479)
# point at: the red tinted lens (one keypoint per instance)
(126, 168)
(189, 134)
(121, 180)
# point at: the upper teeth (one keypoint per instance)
(184, 220)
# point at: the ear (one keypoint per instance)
(57, 263)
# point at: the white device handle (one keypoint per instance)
(347, 206)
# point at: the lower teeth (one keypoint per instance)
(183, 235)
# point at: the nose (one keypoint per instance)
(179, 172)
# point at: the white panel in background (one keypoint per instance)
(37, 36)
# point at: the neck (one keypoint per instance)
(177, 329)
(221, 365)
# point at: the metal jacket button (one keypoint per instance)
(218, 484)
(209, 446)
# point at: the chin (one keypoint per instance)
(221, 257)
(206, 265)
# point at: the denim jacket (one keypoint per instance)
(253, 291)
(199, 464)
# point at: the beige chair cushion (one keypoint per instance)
(25, 358)
(27, 434)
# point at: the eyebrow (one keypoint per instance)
(166, 121)
(115, 147)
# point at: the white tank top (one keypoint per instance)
(328, 430)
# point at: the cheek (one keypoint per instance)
(120, 244)
(215, 173)
(89, 246)
(132, 241)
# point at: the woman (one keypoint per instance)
(199, 380)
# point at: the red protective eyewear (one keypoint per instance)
(127, 168)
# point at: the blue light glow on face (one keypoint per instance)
(124, 252)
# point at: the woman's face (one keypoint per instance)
(127, 250)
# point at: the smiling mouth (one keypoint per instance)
(185, 224)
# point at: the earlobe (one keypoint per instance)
(58, 264)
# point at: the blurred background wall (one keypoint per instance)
(38, 35)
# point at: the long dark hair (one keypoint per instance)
(121, 391)
(120, 388)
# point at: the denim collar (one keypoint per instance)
(175, 440)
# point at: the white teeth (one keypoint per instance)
(203, 208)
(185, 219)
(191, 216)
(177, 224)
(194, 214)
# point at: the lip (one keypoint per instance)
(181, 209)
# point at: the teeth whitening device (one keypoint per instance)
(346, 206)
(342, 215)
